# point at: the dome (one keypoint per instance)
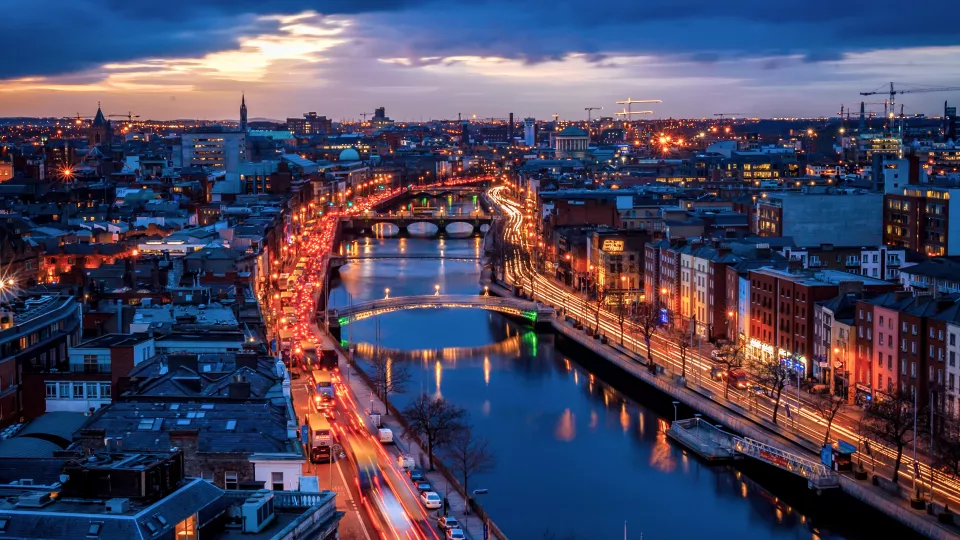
(572, 131)
(349, 155)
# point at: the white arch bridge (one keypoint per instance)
(516, 307)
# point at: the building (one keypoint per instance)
(228, 443)
(35, 333)
(310, 125)
(934, 277)
(90, 377)
(881, 262)
(215, 148)
(6, 171)
(813, 218)
(571, 142)
(834, 344)
(782, 311)
(919, 219)
(243, 114)
(121, 495)
(530, 132)
(100, 132)
(617, 258)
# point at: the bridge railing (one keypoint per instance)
(386, 305)
(816, 473)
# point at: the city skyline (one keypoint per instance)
(426, 60)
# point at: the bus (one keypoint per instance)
(368, 470)
(320, 439)
(324, 386)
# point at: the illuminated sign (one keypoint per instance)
(612, 246)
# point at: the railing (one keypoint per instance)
(816, 473)
(90, 368)
(512, 306)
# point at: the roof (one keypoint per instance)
(234, 428)
(23, 447)
(113, 340)
(939, 268)
(57, 427)
(71, 519)
(99, 120)
(572, 131)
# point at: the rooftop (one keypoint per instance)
(113, 340)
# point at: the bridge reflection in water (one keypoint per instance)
(509, 346)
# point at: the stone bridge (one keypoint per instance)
(365, 223)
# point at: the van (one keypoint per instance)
(386, 436)
(405, 462)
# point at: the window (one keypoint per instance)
(860, 331)
(187, 529)
(51, 390)
(869, 316)
(880, 381)
(903, 366)
(880, 359)
(881, 320)
(146, 424)
(92, 390)
(913, 370)
(903, 345)
(869, 334)
(207, 475)
(230, 480)
(913, 347)
(904, 327)
(953, 339)
(64, 390)
(276, 481)
(94, 528)
(953, 359)
(913, 329)
(881, 336)
(77, 390)
(105, 391)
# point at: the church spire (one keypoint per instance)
(243, 113)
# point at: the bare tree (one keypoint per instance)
(621, 314)
(682, 338)
(468, 455)
(827, 406)
(730, 355)
(772, 374)
(435, 421)
(389, 377)
(601, 297)
(947, 449)
(890, 420)
(648, 320)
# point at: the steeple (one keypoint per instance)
(99, 120)
(243, 113)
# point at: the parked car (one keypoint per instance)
(455, 534)
(423, 485)
(430, 500)
(405, 462)
(416, 475)
(447, 522)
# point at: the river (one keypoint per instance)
(576, 457)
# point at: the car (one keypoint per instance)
(455, 534)
(405, 462)
(423, 485)
(294, 375)
(447, 522)
(416, 475)
(430, 500)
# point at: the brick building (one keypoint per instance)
(919, 219)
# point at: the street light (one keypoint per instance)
(387, 292)
(486, 290)
(436, 290)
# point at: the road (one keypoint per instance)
(801, 421)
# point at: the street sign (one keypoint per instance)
(486, 531)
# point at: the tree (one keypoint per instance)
(621, 314)
(435, 421)
(682, 338)
(730, 355)
(601, 296)
(389, 377)
(890, 420)
(947, 449)
(468, 455)
(772, 374)
(827, 406)
(648, 320)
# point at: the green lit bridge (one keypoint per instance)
(525, 310)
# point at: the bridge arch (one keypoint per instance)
(516, 307)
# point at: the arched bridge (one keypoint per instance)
(516, 307)
(365, 223)
(443, 191)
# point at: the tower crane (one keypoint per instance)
(630, 101)
(590, 110)
(892, 93)
(722, 114)
(129, 116)
(365, 115)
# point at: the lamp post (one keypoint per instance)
(436, 290)
(386, 293)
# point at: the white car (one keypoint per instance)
(405, 462)
(430, 500)
(386, 436)
(455, 534)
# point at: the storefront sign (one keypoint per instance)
(612, 246)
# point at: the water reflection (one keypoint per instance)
(567, 426)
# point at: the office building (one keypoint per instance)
(215, 148)
(919, 218)
(530, 132)
(815, 217)
(310, 125)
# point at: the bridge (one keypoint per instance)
(456, 258)
(443, 191)
(526, 310)
(712, 443)
(365, 223)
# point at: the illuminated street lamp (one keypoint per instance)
(436, 290)
(386, 292)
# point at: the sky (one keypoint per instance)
(430, 59)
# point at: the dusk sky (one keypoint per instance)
(429, 59)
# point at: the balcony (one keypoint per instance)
(89, 368)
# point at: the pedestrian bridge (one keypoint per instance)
(516, 307)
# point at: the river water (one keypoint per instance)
(576, 457)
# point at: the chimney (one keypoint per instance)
(185, 439)
(239, 389)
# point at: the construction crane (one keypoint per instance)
(590, 110)
(365, 115)
(129, 116)
(627, 114)
(556, 118)
(892, 93)
(722, 114)
(79, 119)
(630, 101)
